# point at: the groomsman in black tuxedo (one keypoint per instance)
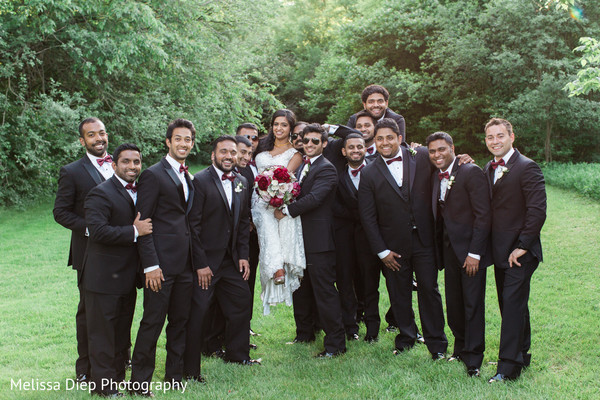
(75, 181)
(461, 209)
(220, 225)
(365, 124)
(333, 150)
(318, 179)
(518, 194)
(375, 100)
(111, 265)
(166, 194)
(394, 200)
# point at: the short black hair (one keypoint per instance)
(247, 125)
(316, 128)
(353, 136)
(437, 136)
(364, 113)
(369, 90)
(223, 138)
(388, 123)
(181, 123)
(122, 147)
(244, 140)
(86, 121)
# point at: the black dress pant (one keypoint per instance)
(109, 318)
(318, 285)
(253, 261)
(465, 306)
(370, 266)
(346, 266)
(399, 283)
(82, 364)
(232, 292)
(513, 285)
(172, 300)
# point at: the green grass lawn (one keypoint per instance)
(39, 299)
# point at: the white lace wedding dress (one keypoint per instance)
(281, 244)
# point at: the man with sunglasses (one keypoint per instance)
(318, 179)
(295, 137)
(250, 132)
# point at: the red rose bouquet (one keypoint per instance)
(276, 186)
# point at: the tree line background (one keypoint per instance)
(449, 65)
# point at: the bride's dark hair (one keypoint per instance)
(268, 142)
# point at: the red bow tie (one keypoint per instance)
(107, 159)
(399, 158)
(443, 175)
(495, 164)
(252, 162)
(132, 187)
(371, 150)
(355, 172)
(183, 168)
(306, 160)
(224, 177)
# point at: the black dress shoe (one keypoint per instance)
(391, 328)
(195, 378)
(399, 350)
(371, 339)
(82, 378)
(454, 357)
(109, 395)
(326, 354)
(142, 393)
(250, 362)
(437, 356)
(420, 338)
(218, 354)
(499, 378)
(252, 333)
(353, 336)
(414, 285)
(299, 340)
(474, 372)
(128, 363)
(253, 346)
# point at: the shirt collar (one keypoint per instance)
(123, 182)
(397, 154)
(313, 159)
(173, 162)
(221, 173)
(354, 169)
(94, 159)
(507, 156)
(449, 169)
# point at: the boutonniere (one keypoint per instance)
(304, 172)
(412, 151)
(239, 187)
(450, 182)
(191, 176)
(503, 170)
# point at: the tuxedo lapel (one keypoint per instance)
(435, 193)
(383, 169)
(348, 184)
(313, 166)
(94, 173)
(122, 191)
(173, 175)
(489, 175)
(235, 201)
(454, 174)
(411, 164)
(191, 192)
(219, 185)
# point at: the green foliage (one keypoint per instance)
(588, 77)
(580, 178)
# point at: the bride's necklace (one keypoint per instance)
(281, 145)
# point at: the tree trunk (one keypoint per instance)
(547, 148)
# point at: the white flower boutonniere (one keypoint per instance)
(239, 187)
(191, 176)
(450, 182)
(304, 172)
(412, 151)
(503, 170)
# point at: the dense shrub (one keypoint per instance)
(582, 178)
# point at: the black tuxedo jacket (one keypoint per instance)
(161, 197)
(249, 175)
(465, 211)
(518, 208)
(217, 228)
(314, 205)
(388, 114)
(111, 261)
(333, 151)
(388, 212)
(345, 206)
(75, 181)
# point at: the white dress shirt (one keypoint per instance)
(106, 170)
(506, 157)
(181, 175)
(396, 168)
(444, 182)
(134, 198)
(355, 179)
(227, 185)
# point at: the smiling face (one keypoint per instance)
(224, 156)
(94, 138)
(251, 135)
(128, 166)
(387, 142)
(441, 154)
(366, 127)
(180, 144)
(354, 150)
(244, 155)
(498, 140)
(281, 128)
(376, 105)
(312, 149)
(296, 139)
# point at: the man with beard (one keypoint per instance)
(110, 268)
(365, 124)
(296, 138)
(375, 100)
(75, 181)
(220, 224)
(249, 131)
(165, 194)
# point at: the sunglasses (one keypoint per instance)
(253, 137)
(315, 141)
(294, 136)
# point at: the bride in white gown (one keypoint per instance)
(281, 244)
